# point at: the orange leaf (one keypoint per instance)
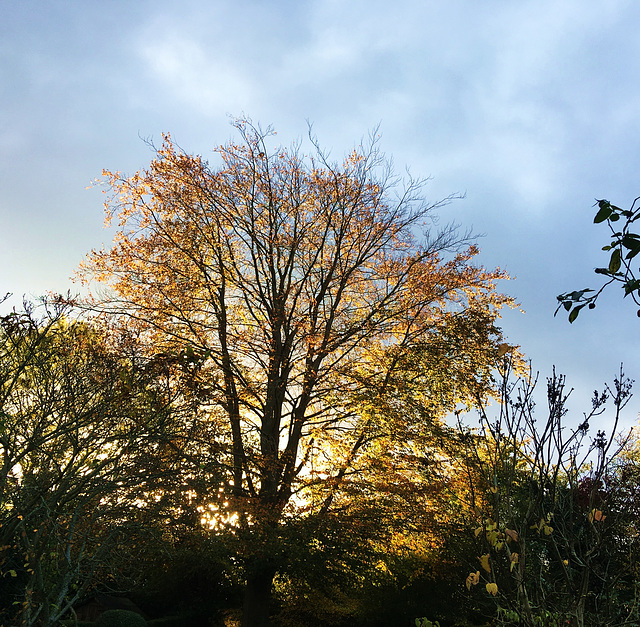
(512, 534)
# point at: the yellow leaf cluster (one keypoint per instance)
(542, 526)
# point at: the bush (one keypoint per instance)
(120, 618)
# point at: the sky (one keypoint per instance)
(528, 108)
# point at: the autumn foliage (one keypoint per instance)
(306, 290)
(264, 412)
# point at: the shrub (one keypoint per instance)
(120, 618)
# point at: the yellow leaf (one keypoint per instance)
(538, 526)
(565, 562)
(478, 531)
(473, 579)
(514, 560)
(492, 588)
(492, 537)
(484, 562)
(493, 489)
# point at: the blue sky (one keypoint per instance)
(530, 108)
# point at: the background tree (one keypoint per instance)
(79, 425)
(295, 280)
(623, 248)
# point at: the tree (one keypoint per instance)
(550, 508)
(79, 424)
(298, 283)
(378, 528)
(623, 248)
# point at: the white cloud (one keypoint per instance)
(188, 73)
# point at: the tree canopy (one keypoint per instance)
(302, 288)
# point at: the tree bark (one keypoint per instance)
(257, 596)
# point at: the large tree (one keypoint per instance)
(300, 286)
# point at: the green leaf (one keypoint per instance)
(615, 261)
(577, 295)
(574, 313)
(631, 286)
(633, 252)
(604, 213)
(631, 242)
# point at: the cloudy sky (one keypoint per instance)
(529, 108)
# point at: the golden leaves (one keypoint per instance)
(289, 271)
(495, 536)
(473, 579)
(542, 526)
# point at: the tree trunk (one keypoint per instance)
(257, 595)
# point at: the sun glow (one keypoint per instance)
(217, 518)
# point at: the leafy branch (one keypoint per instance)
(623, 248)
